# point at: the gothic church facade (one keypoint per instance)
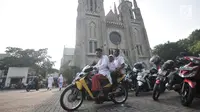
(122, 28)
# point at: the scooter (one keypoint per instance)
(191, 83)
(145, 81)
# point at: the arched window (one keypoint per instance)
(92, 46)
(131, 14)
(92, 30)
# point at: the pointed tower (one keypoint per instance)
(135, 4)
(137, 12)
(115, 8)
(142, 46)
(90, 28)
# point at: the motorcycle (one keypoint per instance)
(2, 86)
(191, 80)
(145, 81)
(168, 78)
(32, 85)
(81, 84)
(130, 78)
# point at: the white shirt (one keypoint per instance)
(112, 66)
(119, 60)
(50, 80)
(60, 79)
(102, 67)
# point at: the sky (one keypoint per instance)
(51, 24)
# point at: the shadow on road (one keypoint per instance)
(175, 100)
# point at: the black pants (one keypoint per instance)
(114, 76)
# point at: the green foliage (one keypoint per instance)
(170, 50)
(195, 49)
(36, 59)
(69, 72)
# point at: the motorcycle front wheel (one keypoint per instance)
(27, 89)
(70, 96)
(120, 95)
(156, 92)
(187, 94)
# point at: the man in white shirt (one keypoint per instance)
(112, 68)
(103, 71)
(119, 62)
(111, 65)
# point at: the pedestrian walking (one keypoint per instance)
(50, 82)
(60, 82)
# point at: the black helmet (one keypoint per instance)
(155, 59)
(138, 65)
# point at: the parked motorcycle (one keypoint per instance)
(145, 81)
(32, 85)
(131, 77)
(191, 83)
(162, 79)
(80, 85)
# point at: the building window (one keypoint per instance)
(91, 4)
(95, 45)
(126, 53)
(111, 51)
(139, 49)
(92, 28)
(92, 46)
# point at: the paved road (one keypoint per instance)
(48, 101)
(169, 102)
(22, 101)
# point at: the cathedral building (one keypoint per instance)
(122, 28)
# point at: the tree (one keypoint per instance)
(36, 59)
(69, 72)
(170, 50)
(195, 49)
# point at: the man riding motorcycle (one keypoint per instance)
(112, 68)
(103, 72)
(119, 62)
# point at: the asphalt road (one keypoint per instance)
(48, 101)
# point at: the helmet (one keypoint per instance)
(138, 65)
(155, 59)
(169, 64)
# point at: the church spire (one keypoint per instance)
(115, 8)
(135, 4)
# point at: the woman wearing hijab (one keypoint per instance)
(60, 82)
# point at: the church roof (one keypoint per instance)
(112, 17)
